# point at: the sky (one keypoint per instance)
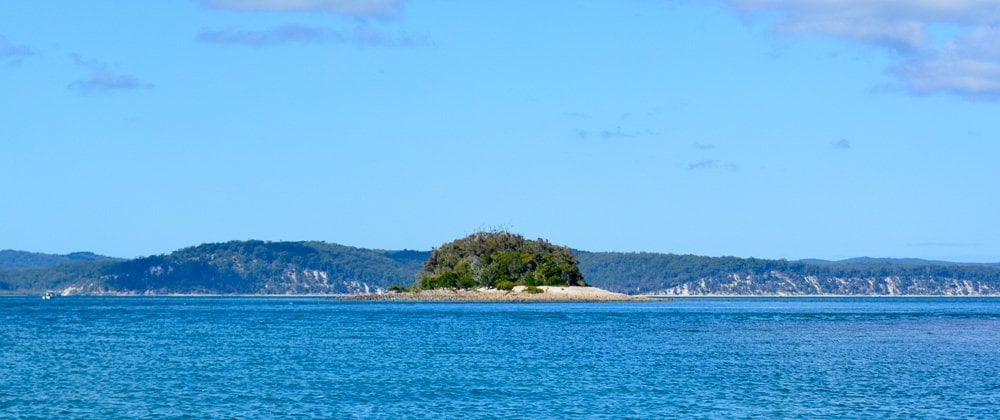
(766, 128)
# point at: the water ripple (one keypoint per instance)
(264, 357)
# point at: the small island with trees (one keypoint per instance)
(500, 266)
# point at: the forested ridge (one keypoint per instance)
(260, 267)
(10, 259)
(674, 274)
(244, 267)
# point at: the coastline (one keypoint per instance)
(549, 294)
(817, 296)
(449, 295)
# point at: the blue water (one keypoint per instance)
(262, 357)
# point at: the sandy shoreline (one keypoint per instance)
(550, 294)
(448, 295)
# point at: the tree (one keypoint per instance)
(499, 258)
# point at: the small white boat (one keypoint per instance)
(48, 295)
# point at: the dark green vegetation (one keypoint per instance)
(233, 267)
(691, 274)
(317, 267)
(20, 259)
(58, 277)
(31, 271)
(265, 267)
(499, 260)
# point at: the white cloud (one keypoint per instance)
(967, 64)
(357, 8)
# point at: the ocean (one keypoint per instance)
(73, 357)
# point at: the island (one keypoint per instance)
(500, 266)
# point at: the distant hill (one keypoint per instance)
(897, 261)
(21, 259)
(671, 274)
(266, 267)
(259, 267)
(244, 267)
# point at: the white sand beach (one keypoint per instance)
(518, 294)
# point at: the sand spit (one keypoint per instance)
(550, 294)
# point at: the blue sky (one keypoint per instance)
(766, 128)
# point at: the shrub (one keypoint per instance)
(533, 290)
(465, 281)
(506, 285)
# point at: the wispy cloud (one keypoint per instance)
(102, 79)
(841, 144)
(576, 115)
(107, 81)
(966, 64)
(618, 133)
(713, 164)
(613, 133)
(361, 35)
(353, 8)
(702, 146)
(11, 53)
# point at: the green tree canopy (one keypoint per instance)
(499, 259)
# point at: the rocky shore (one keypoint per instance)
(549, 294)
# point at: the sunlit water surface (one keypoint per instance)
(864, 357)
